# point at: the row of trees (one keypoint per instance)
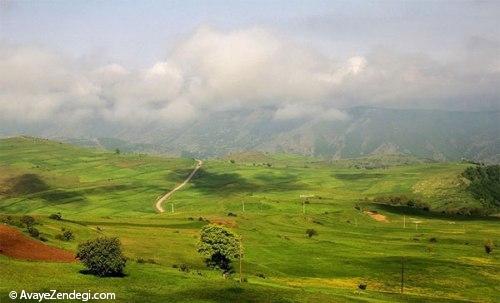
(218, 245)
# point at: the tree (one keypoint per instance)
(219, 246)
(102, 256)
(117, 151)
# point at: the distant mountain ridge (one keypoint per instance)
(432, 134)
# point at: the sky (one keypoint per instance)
(177, 60)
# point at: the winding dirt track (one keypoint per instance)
(158, 204)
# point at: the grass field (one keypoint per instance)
(101, 192)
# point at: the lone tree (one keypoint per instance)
(219, 246)
(102, 256)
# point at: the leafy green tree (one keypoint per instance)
(102, 256)
(219, 246)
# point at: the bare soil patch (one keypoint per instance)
(16, 245)
(224, 222)
(376, 216)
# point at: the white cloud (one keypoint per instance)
(213, 70)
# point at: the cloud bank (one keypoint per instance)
(255, 68)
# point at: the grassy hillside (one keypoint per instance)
(105, 193)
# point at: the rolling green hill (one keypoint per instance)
(103, 193)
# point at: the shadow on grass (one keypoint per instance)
(213, 183)
(246, 293)
(280, 182)
(358, 176)
(34, 186)
(89, 273)
(405, 210)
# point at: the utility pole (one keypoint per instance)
(404, 221)
(402, 274)
(172, 207)
(243, 204)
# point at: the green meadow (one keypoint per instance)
(273, 200)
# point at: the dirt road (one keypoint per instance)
(158, 204)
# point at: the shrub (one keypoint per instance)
(232, 161)
(261, 275)
(231, 215)
(7, 220)
(27, 220)
(184, 267)
(362, 285)
(33, 232)
(433, 240)
(310, 232)
(66, 235)
(43, 239)
(488, 246)
(57, 216)
(102, 256)
(219, 246)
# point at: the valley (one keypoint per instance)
(270, 200)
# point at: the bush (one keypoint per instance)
(66, 235)
(261, 275)
(311, 232)
(433, 240)
(57, 216)
(33, 232)
(43, 239)
(27, 220)
(184, 267)
(102, 256)
(7, 220)
(231, 215)
(488, 246)
(362, 285)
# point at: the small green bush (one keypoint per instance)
(66, 235)
(27, 220)
(310, 232)
(488, 246)
(33, 232)
(56, 216)
(184, 267)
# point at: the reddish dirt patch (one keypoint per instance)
(16, 245)
(376, 216)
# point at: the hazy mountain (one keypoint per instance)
(439, 135)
